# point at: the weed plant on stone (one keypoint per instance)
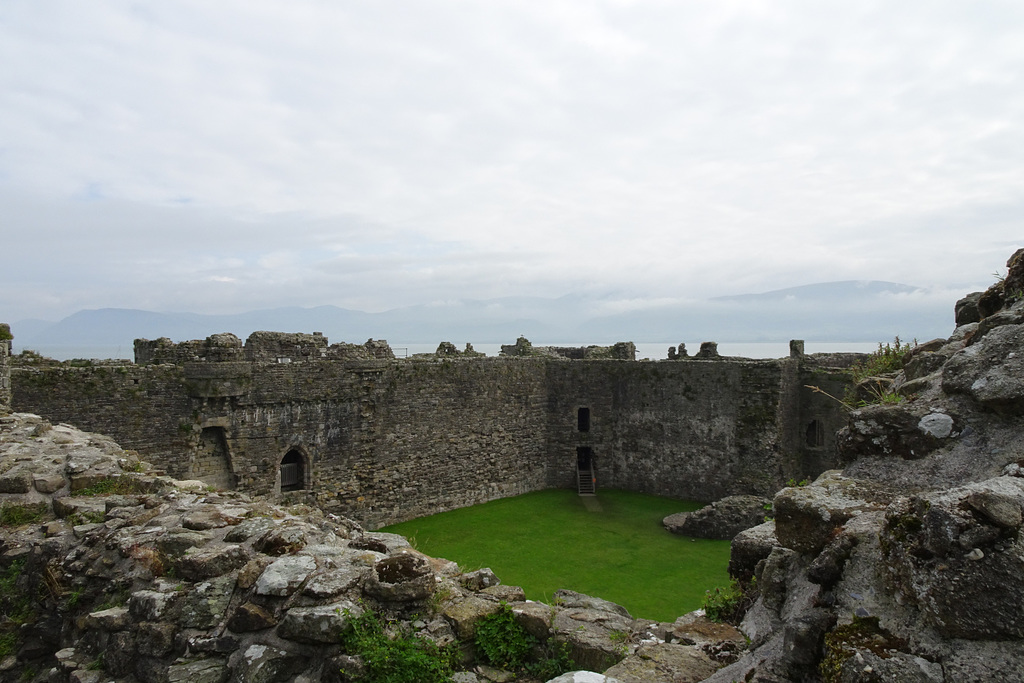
(612, 546)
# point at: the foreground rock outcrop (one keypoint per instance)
(908, 564)
(113, 571)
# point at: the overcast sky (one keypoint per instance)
(225, 156)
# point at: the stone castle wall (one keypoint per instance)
(5, 367)
(384, 440)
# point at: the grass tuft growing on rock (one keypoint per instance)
(18, 514)
(502, 641)
(398, 657)
(863, 633)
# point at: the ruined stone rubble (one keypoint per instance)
(167, 580)
(908, 564)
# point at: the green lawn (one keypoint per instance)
(548, 540)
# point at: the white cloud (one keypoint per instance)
(186, 154)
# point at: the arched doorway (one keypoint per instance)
(293, 471)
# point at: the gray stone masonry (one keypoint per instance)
(5, 367)
(383, 440)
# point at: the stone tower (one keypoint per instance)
(5, 367)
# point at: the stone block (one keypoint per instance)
(210, 562)
(206, 670)
(322, 624)
(285, 575)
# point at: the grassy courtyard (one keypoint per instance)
(612, 546)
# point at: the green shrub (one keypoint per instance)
(403, 659)
(554, 661)
(886, 360)
(15, 606)
(502, 641)
(729, 603)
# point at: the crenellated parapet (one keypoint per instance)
(260, 347)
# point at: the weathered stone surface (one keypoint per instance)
(721, 520)
(664, 662)
(212, 517)
(583, 677)
(206, 605)
(802, 643)
(259, 663)
(480, 579)
(331, 582)
(113, 619)
(401, 578)
(773, 581)
(903, 431)
(211, 562)
(991, 370)
(807, 516)
(48, 481)
(535, 617)
(287, 537)
(251, 617)
(505, 593)
(91, 509)
(952, 554)
(284, 576)
(176, 542)
(207, 670)
(867, 667)
(966, 309)
(572, 599)
(249, 528)
(827, 567)
(148, 605)
(225, 644)
(999, 508)
(721, 642)
(392, 542)
(323, 624)
(981, 662)
(750, 547)
(154, 638)
(595, 637)
(463, 615)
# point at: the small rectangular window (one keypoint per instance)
(583, 420)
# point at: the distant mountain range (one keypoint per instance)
(848, 311)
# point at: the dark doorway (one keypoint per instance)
(586, 479)
(584, 457)
(293, 472)
(815, 437)
(583, 420)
